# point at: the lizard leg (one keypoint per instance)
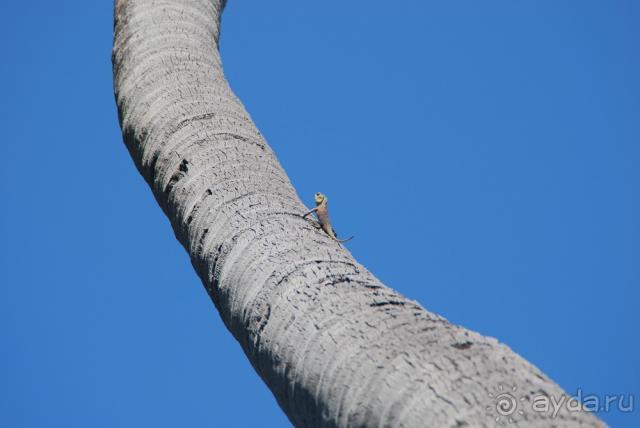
(312, 211)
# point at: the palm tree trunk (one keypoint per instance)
(335, 346)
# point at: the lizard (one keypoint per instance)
(322, 212)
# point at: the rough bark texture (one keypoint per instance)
(336, 347)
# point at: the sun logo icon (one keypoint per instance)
(505, 404)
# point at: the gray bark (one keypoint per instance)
(335, 346)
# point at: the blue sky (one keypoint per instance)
(485, 155)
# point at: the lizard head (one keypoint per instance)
(319, 197)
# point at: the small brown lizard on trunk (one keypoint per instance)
(322, 212)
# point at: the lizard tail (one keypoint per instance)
(345, 240)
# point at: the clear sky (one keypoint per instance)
(485, 154)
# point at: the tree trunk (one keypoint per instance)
(335, 346)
